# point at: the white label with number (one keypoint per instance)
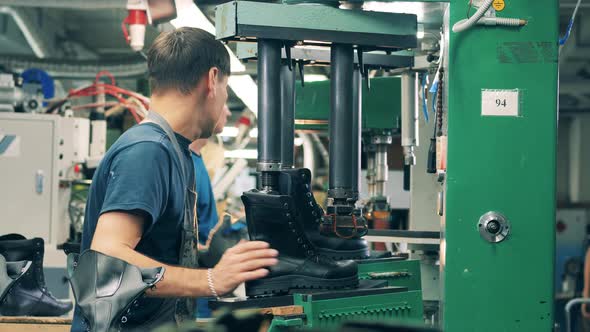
(499, 102)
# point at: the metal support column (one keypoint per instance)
(287, 115)
(381, 170)
(357, 104)
(371, 173)
(409, 116)
(378, 206)
(341, 125)
(269, 112)
(345, 110)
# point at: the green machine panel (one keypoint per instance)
(501, 85)
(381, 104)
(390, 304)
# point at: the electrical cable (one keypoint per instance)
(438, 118)
(466, 24)
(478, 18)
(434, 96)
(439, 104)
(107, 89)
(94, 105)
(423, 92)
(136, 103)
(105, 73)
(434, 86)
(98, 88)
(564, 39)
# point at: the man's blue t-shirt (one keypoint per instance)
(207, 213)
(140, 174)
(206, 209)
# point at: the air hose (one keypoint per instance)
(478, 18)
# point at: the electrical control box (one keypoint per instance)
(39, 157)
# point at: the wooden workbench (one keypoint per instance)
(35, 324)
(58, 324)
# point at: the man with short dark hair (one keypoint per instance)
(137, 205)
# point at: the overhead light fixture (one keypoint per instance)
(242, 154)
(233, 132)
(396, 7)
(314, 77)
(229, 132)
(243, 86)
(420, 32)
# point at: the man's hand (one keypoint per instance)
(243, 262)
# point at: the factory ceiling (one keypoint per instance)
(74, 30)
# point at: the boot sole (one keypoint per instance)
(282, 284)
(345, 254)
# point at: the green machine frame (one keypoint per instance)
(504, 164)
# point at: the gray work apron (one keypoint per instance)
(185, 307)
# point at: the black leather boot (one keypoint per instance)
(296, 183)
(106, 288)
(273, 218)
(10, 273)
(29, 297)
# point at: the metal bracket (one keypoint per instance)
(287, 48)
(301, 63)
(381, 139)
(321, 56)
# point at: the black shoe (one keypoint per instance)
(296, 182)
(273, 218)
(29, 297)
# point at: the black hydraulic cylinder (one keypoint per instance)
(407, 177)
(269, 112)
(341, 122)
(287, 115)
(269, 101)
(357, 96)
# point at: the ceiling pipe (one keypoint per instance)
(77, 69)
(26, 30)
(67, 4)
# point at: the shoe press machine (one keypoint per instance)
(500, 180)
